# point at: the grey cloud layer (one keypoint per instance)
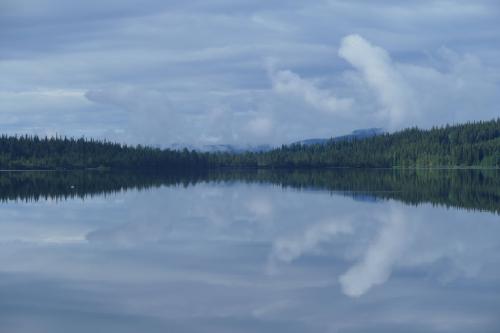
(161, 72)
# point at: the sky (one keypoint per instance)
(244, 72)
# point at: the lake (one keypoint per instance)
(250, 251)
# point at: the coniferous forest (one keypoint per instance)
(32, 152)
(467, 145)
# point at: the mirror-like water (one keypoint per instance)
(331, 251)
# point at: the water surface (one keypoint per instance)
(304, 251)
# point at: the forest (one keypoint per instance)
(466, 145)
(475, 144)
(56, 153)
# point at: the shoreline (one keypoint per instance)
(228, 168)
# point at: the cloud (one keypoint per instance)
(181, 64)
(450, 88)
(153, 117)
(260, 126)
(149, 113)
(380, 73)
(287, 82)
(381, 92)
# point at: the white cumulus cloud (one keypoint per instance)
(379, 71)
(288, 82)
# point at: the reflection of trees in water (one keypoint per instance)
(471, 189)
(36, 185)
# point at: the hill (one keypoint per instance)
(356, 134)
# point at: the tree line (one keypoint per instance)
(31, 152)
(475, 144)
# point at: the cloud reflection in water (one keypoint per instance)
(199, 258)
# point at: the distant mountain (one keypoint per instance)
(310, 142)
(356, 134)
(238, 149)
(224, 148)
(234, 149)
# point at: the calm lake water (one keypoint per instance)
(333, 251)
